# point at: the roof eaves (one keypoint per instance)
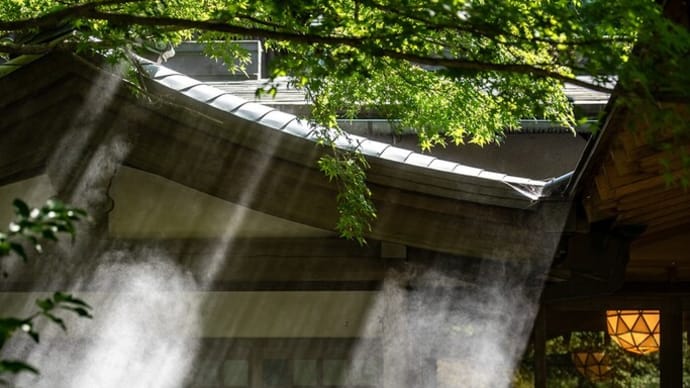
(591, 155)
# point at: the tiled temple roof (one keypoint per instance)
(472, 183)
(528, 189)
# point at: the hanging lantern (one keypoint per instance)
(636, 331)
(594, 365)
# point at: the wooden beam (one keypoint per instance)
(658, 227)
(643, 200)
(597, 209)
(622, 164)
(646, 183)
(615, 180)
(239, 264)
(677, 206)
(652, 164)
(642, 299)
(539, 335)
(671, 327)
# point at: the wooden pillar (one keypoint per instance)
(395, 339)
(539, 335)
(396, 362)
(671, 344)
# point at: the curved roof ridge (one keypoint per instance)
(529, 189)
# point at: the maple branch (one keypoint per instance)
(90, 11)
(55, 18)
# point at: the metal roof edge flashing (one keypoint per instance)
(556, 187)
(533, 193)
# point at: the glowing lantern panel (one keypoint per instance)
(594, 365)
(636, 331)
